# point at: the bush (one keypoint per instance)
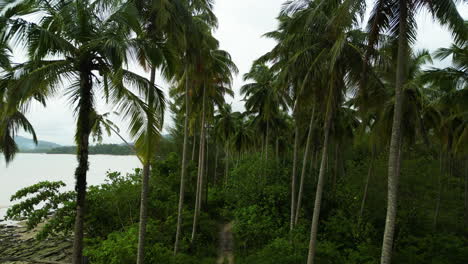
(279, 250)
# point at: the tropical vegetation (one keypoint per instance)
(353, 146)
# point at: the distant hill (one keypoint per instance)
(165, 146)
(26, 144)
(109, 149)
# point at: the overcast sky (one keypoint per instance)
(241, 26)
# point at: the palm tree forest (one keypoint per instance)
(351, 147)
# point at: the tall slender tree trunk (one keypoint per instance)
(143, 213)
(226, 174)
(145, 182)
(312, 155)
(366, 187)
(439, 192)
(316, 158)
(315, 161)
(293, 176)
(335, 170)
(266, 153)
(262, 146)
(183, 169)
(320, 186)
(398, 173)
(216, 165)
(197, 191)
(194, 146)
(82, 138)
(266, 140)
(396, 138)
(304, 166)
(201, 167)
(466, 195)
(207, 169)
(277, 150)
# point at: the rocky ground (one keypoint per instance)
(19, 246)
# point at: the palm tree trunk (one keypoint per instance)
(201, 166)
(143, 213)
(396, 138)
(216, 165)
(277, 150)
(262, 146)
(439, 192)
(466, 194)
(312, 155)
(266, 140)
(304, 166)
(194, 146)
(335, 170)
(207, 169)
(227, 165)
(293, 177)
(398, 173)
(82, 140)
(183, 170)
(145, 185)
(319, 190)
(366, 187)
(316, 159)
(197, 195)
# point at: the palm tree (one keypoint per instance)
(447, 92)
(4, 55)
(304, 165)
(455, 76)
(263, 98)
(295, 78)
(84, 43)
(215, 71)
(397, 17)
(10, 123)
(243, 136)
(225, 128)
(340, 60)
(12, 119)
(158, 39)
(200, 19)
(146, 148)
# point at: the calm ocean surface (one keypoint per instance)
(28, 169)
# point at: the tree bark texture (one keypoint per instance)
(304, 167)
(396, 138)
(82, 138)
(183, 169)
(319, 191)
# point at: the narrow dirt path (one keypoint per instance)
(226, 245)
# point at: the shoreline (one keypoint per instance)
(102, 154)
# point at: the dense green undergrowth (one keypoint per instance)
(256, 198)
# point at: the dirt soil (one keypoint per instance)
(16, 242)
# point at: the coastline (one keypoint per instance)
(91, 154)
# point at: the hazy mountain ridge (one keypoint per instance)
(28, 144)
